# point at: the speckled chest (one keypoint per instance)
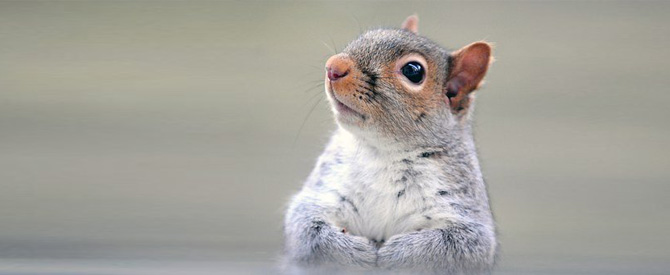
(381, 198)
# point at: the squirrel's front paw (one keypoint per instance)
(390, 254)
(333, 247)
(400, 251)
(358, 251)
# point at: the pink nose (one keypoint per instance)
(338, 66)
(334, 74)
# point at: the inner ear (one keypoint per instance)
(467, 70)
(411, 24)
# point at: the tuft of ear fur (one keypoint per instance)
(467, 70)
(411, 23)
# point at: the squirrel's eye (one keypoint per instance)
(413, 71)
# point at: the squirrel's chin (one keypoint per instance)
(348, 118)
(343, 109)
(343, 112)
(346, 115)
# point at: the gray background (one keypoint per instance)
(138, 137)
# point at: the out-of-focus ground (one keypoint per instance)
(167, 137)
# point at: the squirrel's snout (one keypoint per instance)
(338, 67)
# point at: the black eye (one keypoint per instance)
(413, 71)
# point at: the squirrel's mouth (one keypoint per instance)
(341, 107)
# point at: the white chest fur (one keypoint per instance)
(378, 197)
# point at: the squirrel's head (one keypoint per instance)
(396, 84)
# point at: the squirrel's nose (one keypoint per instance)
(337, 67)
(334, 74)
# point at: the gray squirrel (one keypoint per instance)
(399, 185)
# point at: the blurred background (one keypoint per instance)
(145, 137)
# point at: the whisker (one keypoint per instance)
(334, 45)
(304, 121)
(317, 81)
(316, 95)
(313, 87)
(311, 72)
(317, 67)
(331, 49)
(360, 29)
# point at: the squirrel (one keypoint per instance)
(399, 186)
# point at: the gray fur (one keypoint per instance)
(408, 192)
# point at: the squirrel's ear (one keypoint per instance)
(411, 24)
(467, 69)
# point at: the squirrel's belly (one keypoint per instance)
(380, 214)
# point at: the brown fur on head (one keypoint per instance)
(372, 94)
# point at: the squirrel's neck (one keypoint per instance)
(458, 144)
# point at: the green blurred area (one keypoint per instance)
(176, 132)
